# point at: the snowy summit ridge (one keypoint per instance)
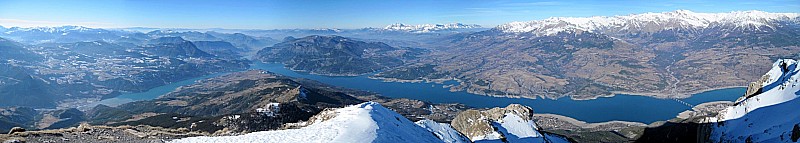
(649, 22)
(780, 86)
(426, 28)
(371, 122)
(365, 122)
(768, 115)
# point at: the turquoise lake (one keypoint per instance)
(620, 107)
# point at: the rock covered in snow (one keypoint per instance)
(270, 109)
(510, 124)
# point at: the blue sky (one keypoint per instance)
(271, 14)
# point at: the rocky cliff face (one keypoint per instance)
(754, 88)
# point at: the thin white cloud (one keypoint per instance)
(37, 23)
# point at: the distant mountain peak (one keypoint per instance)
(425, 28)
(683, 11)
(649, 22)
(162, 32)
(170, 31)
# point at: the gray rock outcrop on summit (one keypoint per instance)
(510, 124)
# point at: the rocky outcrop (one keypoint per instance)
(16, 130)
(510, 124)
(754, 88)
(473, 123)
(466, 124)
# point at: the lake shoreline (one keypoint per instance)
(613, 93)
(658, 95)
(652, 109)
(587, 125)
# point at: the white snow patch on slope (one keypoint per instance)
(444, 131)
(516, 126)
(362, 123)
(515, 129)
(494, 136)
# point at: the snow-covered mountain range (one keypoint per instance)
(58, 34)
(651, 22)
(427, 28)
(61, 29)
(770, 115)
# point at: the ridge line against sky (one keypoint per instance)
(351, 14)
